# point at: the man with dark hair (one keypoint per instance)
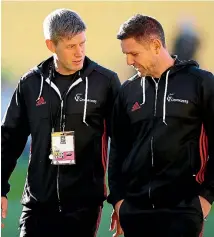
(162, 151)
(65, 103)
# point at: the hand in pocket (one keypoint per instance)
(205, 206)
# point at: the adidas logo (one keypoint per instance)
(136, 106)
(41, 101)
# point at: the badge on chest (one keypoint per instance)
(62, 148)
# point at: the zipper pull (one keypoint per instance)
(63, 127)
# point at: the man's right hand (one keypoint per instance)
(4, 205)
(115, 222)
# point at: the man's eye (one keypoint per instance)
(70, 46)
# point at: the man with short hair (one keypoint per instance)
(65, 103)
(161, 162)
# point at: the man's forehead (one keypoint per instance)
(74, 38)
(130, 45)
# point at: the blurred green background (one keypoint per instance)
(23, 47)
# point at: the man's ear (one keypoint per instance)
(156, 46)
(50, 45)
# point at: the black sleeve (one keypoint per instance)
(207, 105)
(118, 150)
(14, 134)
(112, 95)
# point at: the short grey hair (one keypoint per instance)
(62, 23)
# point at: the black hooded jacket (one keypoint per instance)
(162, 148)
(36, 108)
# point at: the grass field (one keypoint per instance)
(14, 210)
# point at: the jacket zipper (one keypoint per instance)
(156, 96)
(152, 139)
(150, 187)
(62, 125)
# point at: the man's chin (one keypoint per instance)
(80, 66)
(76, 68)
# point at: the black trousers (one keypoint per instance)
(47, 222)
(185, 220)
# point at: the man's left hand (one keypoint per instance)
(205, 206)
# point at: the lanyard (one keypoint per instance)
(61, 109)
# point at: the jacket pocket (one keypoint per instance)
(197, 204)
